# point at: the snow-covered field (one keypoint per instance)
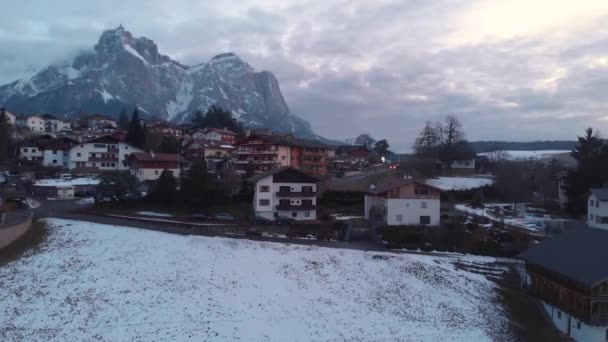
(107, 283)
(67, 182)
(515, 155)
(153, 213)
(459, 183)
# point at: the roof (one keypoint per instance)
(202, 143)
(49, 117)
(100, 117)
(351, 148)
(601, 193)
(218, 130)
(396, 183)
(578, 254)
(155, 157)
(277, 170)
(106, 139)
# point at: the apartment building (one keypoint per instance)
(224, 135)
(105, 153)
(264, 152)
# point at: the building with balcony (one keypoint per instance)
(149, 166)
(105, 153)
(403, 202)
(264, 152)
(213, 152)
(285, 192)
(225, 135)
(568, 274)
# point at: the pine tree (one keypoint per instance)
(216, 117)
(123, 120)
(196, 183)
(6, 133)
(165, 188)
(381, 147)
(136, 134)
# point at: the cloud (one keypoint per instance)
(516, 70)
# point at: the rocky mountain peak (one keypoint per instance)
(123, 71)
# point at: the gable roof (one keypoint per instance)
(105, 139)
(285, 140)
(100, 117)
(397, 183)
(601, 194)
(154, 157)
(578, 254)
(278, 170)
(49, 117)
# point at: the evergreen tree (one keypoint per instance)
(246, 188)
(216, 117)
(136, 134)
(592, 157)
(196, 183)
(365, 139)
(6, 134)
(123, 120)
(165, 188)
(168, 145)
(381, 147)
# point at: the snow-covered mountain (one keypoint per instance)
(123, 70)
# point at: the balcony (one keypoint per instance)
(256, 162)
(296, 194)
(247, 152)
(112, 149)
(104, 159)
(306, 207)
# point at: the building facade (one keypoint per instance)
(99, 122)
(574, 293)
(285, 192)
(149, 166)
(264, 152)
(35, 123)
(224, 135)
(597, 208)
(402, 202)
(105, 153)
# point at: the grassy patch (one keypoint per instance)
(29, 241)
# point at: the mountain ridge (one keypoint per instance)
(126, 71)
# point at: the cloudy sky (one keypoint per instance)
(509, 69)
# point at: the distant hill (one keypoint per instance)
(488, 146)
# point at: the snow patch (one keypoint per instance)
(67, 182)
(459, 183)
(518, 155)
(105, 95)
(153, 213)
(134, 52)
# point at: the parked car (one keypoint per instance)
(225, 217)
(284, 220)
(200, 217)
(261, 220)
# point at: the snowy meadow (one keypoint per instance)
(108, 283)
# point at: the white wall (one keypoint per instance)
(371, 201)
(12, 119)
(411, 210)
(586, 333)
(151, 174)
(463, 164)
(594, 211)
(85, 149)
(31, 154)
(35, 123)
(60, 157)
(268, 211)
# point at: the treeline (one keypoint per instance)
(489, 146)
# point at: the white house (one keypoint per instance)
(35, 123)
(105, 153)
(99, 122)
(53, 125)
(224, 135)
(57, 152)
(568, 274)
(30, 151)
(12, 118)
(403, 201)
(597, 208)
(149, 166)
(465, 165)
(285, 192)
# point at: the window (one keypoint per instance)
(156, 172)
(294, 214)
(283, 157)
(425, 220)
(466, 163)
(33, 150)
(264, 188)
(597, 204)
(99, 146)
(54, 161)
(103, 164)
(559, 314)
(25, 150)
(578, 325)
(598, 219)
(421, 191)
(591, 217)
(264, 202)
(307, 214)
(307, 189)
(399, 218)
(591, 203)
(126, 147)
(54, 152)
(423, 205)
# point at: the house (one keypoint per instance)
(403, 201)
(224, 135)
(12, 118)
(351, 157)
(56, 152)
(597, 208)
(64, 188)
(106, 153)
(568, 274)
(53, 125)
(463, 165)
(285, 192)
(149, 166)
(35, 123)
(98, 122)
(165, 129)
(264, 152)
(212, 152)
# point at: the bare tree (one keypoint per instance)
(427, 142)
(451, 131)
(498, 156)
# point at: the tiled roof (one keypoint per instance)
(263, 175)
